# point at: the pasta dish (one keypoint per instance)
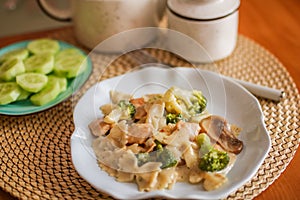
(159, 139)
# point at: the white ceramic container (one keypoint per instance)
(96, 20)
(211, 24)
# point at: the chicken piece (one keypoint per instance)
(98, 127)
(137, 102)
(139, 133)
(140, 113)
(218, 130)
(139, 105)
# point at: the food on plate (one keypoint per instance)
(39, 72)
(159, 139)
(39, 63)
(10, 69)
(43, 45)
(32, 82)
(69, 66)
(47, 94)
(9, 92)
(19, 54)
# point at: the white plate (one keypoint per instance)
(224, 97)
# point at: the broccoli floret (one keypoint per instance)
(188, 102)
(203, 142)
(211, 159)
(173, 118)
(143, 158)
(128, 107)
(159, 146)
(160, 154)
(167, 158)
(214, 160)
(199, 102)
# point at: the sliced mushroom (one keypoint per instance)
(218, 130)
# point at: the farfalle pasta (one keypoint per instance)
(159, 139)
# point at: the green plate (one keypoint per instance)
(25, 106)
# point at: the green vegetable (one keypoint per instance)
(188, 102)
(143, 158)
(47, 94)
(211, 159)
(198, 102)
(214, 160)
(166, 157)
(43, 45)
(203, 142)
(128, 107)
(63, 83)
(23, 95)
(10, 69)
(9, 92)
(19, 54)
(173, 118)
(39, 66)
(39, 63)
(160, 154)
(32, 82)
(71, 65)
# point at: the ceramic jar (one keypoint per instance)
(212, 24)
(96, 20)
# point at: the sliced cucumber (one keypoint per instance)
(20, 54)
(61, 80)
(9, 92)
(32, 82)
(40, 63)
(67, 52)
(43, 45)
(70, 66)
(23, 95)
(47, 94)
(10, 69)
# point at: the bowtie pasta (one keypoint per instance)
(160, 139)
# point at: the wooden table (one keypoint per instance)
(275, 24)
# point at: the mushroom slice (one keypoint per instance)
(217, 129)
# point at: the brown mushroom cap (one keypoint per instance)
(218, 130)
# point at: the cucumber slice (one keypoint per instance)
(40, 63)
(9, 92)
(10, 69)
(20, 54)
(67, 52)
(23, 95)
(47, 94)
(61, 80)
(43, 45)
(32, 82)
(70, 66)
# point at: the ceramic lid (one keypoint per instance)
(203, 9)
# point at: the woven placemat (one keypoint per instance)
(35, 156)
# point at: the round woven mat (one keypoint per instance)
(35, 156)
